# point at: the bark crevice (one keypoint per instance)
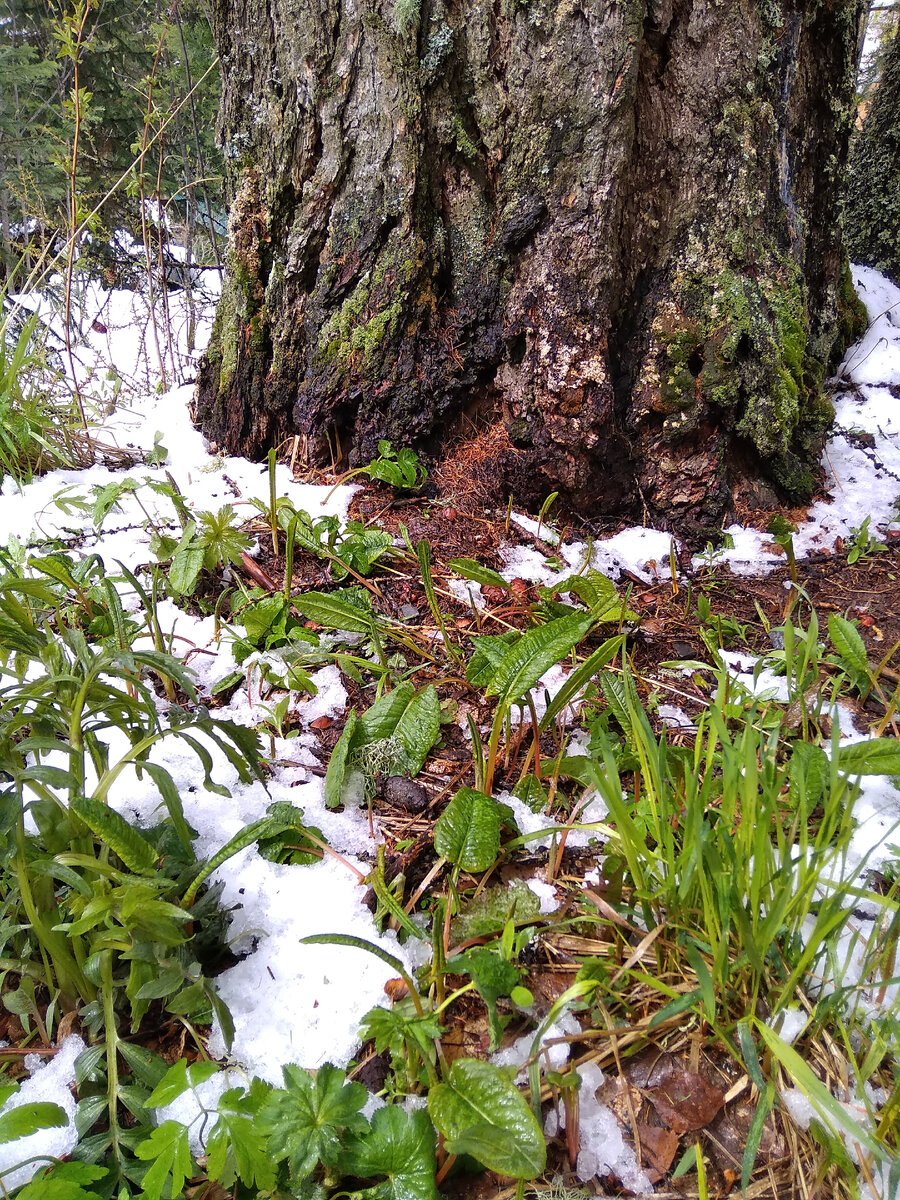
(608, 224)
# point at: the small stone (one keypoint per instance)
(408, 612)
(404, 793)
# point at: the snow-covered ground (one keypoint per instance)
(302, 1004)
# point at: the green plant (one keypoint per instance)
(719, 631)
(40, 429)
(212, 541)
(400, 468)
(863, 544)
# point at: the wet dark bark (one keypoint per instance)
(609, 226)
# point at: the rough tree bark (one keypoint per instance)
(607, 227)
(872, 212)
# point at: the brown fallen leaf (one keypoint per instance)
(685, 1101)
(321, 723)
(658, 1150)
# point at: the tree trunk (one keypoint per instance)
(602, 232)
(872, 214)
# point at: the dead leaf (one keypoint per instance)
(396, 989)
(658, 1149)
(321, 723)
(728, 1135)
(685, 1101)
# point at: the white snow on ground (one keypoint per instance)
(50, 1084)
(604, 1150)
(302, 1004)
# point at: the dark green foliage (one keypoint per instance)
(872, 211)
(125, 55)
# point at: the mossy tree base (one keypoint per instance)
(612, 227)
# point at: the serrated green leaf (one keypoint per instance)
(480, 1112)
(467, 833)
(169, 1155)
(536, 652)
(26, 1119)
(304, 1120)
(237, 1147)
(493, 976)
(114, 831)
(178, 1079)
(400, 1146)
(64, 1181)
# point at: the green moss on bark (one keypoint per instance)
(738, 344)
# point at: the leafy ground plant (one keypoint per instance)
(721, 850)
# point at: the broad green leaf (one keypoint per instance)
(809, 772)
(107, 496)
(876, 756)
(467, 833)
(480, 1112)
(493, 976)
(537, 651)
(337, 766)
(178, 1079)
(596, 591)
(333, 613)
(851, 649)
(237, 1147)
(259, 618)
(532, 792)
(169, 1155)
(417, 730)
(469, 568)
(29, 1118)
(114, 831)
(489, 650)
(360, 551)
(89, 1111)
(400, 1146)
(187, 562)
(304, 1120)
(380, 721)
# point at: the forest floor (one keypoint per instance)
(663, 1106)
